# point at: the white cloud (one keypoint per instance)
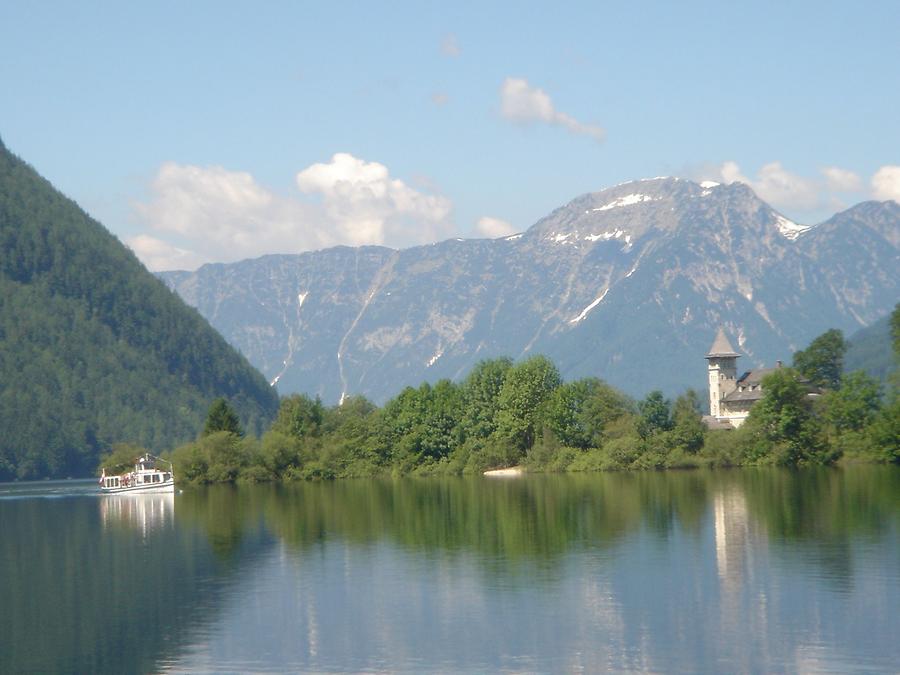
(450, 46)
(221, 215)
(494, 228)
(832, 190)
(157, 254)
(777, 185)
(520, 102)
(886, 183)
(367, 206)
(841, 180)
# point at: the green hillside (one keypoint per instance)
(869, 349)
(93, 348)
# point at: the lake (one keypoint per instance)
(728, 571)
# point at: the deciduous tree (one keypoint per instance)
(823, 361)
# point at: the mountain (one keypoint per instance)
(93, 348)
(870, 349)
(628, 284)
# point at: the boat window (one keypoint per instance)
(156, 478)
(166, 477)
(116, 479)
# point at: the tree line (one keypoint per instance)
(504, 414)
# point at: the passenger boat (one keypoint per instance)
(146, 478)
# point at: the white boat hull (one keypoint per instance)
(150, 489)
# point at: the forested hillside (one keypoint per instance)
(93, 348)
(869, 349)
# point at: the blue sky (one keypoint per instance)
(214, 131)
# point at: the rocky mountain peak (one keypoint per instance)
(649, 267)
(632, 210)
(879, 217)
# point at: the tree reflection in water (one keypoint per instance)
(742, 570)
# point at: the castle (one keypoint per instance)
(730, 396)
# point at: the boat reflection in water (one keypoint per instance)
(144, 512)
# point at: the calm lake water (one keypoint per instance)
(729, 571)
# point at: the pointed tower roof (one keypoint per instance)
(721, 346)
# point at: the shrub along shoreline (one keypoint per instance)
(506, 413)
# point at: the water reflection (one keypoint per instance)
(732, 528)
(143, 513)
(695, 571)
(726, 571)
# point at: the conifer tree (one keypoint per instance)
(221, 417)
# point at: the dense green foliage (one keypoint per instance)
(222, 417)
(822, 363)
(94, 349)
(505, 414)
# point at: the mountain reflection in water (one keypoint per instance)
(691, 571)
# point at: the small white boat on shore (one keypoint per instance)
(146, 478)
(510, 472)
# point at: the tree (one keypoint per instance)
(854, 404)
(782, 423)
(299, 416)
(885, 431)
(688, 430)
(226, 455)
(420, 424)
(221, 417)
(480, 392)
(578, 412)
(565, 414)
(526, 388)
(823, 361)
(654, 411)
(442, 420)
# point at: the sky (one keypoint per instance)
(216, 131)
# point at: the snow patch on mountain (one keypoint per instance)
(587, 309)
(789, 228)
(627, 200)
(606, 236)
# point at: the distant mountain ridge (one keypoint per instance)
(93, 348)
(628, 284)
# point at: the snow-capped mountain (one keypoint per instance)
(628, 284)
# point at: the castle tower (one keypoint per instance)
(722, 364)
